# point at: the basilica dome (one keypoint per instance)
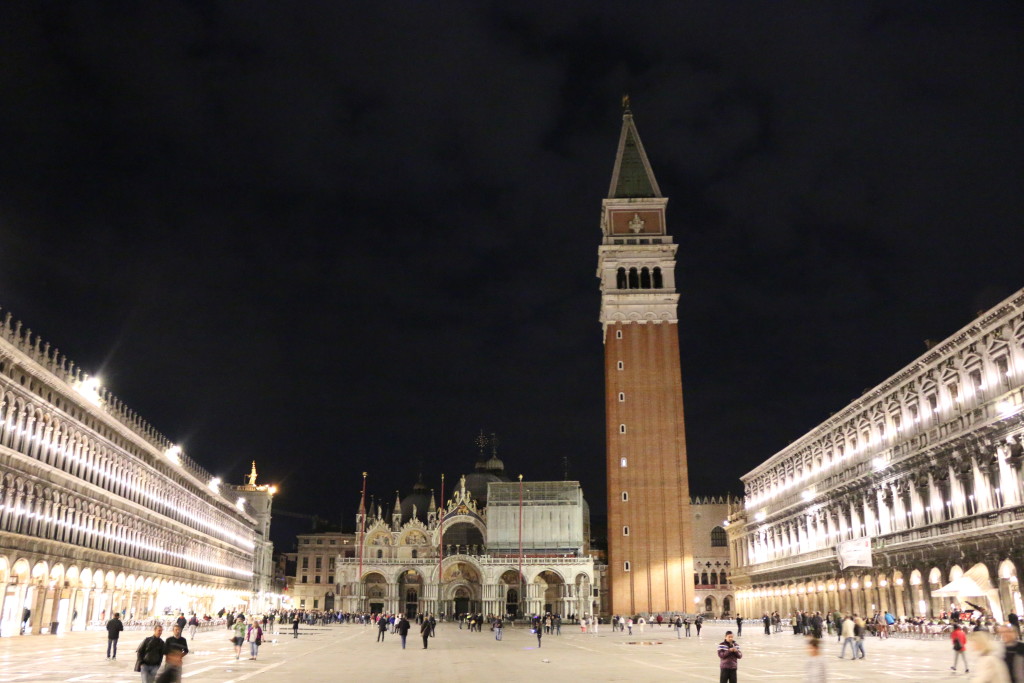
(420, 497)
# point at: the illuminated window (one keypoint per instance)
(625, 566)
(625, 496)
(622, 397)
(618, 334)
(622, 462)
(625, 531)
(621, 366)
(622, 429)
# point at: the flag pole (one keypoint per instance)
(440, 546)
(362, 528)
(522, 579)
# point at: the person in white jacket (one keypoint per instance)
(988, 665)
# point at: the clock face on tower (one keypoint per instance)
(636, 222)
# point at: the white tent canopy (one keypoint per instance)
(973, 584)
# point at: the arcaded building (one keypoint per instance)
(101, 513)
(915, 487)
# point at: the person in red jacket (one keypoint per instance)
(729, 655)
(959, 639)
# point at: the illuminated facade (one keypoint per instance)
(923, 469)
(650, 554)
(101, 513)
(465, 556)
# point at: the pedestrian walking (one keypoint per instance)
(539, 631)
(728, 659)
(641, 622)
(698, 622)
(959, 640)
(1014, 656)
(497, 628)
(150, 654)
(815, 671)
(193, 626)
(173, 656)
(686, 626)
(403, 629)
(255, 637)
(176, 640)
(846, 633)
(295, 625)
(114, 628)
(767, 621)
(739, 626)
(629, 625)
(989, 667)
(382, 628)
(678, 624)
(425, 631)
(238, 629)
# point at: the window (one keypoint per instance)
(1002, 365)
(621, 366)
(625, 531)
(316, 603)
(622, 397)
(414, 554)
(625, 496)
(316, 579)
(620, 279)
(718, 538)
(319, 541)
(305, 563)
(618, 334)
(333, 542)
(302, 603)
(330, 579)
(622, 462)
(622, 429)
(658, 282)
(330, 564)
(305, 579)
(625, 566)
(319, 563)
(380, 554)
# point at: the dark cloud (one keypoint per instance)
(343, 237)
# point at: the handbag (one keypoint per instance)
(138, 664)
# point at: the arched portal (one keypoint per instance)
(410, 588)
(375, 588)
(512, 587)
(551, 589)
(461, 588)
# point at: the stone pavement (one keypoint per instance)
(334, 653)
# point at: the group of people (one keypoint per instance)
(155, 651)
(398, 625)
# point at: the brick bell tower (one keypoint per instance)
(650, 556)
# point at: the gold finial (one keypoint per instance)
(625, 104)
(252, 474)
(520, 477)
(364, 475)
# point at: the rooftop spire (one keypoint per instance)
(632, 176)
(252, 474)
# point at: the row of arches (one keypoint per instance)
(902, 592)
(959, 382)
(40, 596)
(639, 278)
(465, 588)
(42, 435)
(49, 512)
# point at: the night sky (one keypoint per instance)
(346, 236)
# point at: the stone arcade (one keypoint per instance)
(925, 468)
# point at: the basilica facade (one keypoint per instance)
(492, 546)
(909, 499)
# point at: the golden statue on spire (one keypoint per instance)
(252, 474)
(625, 104)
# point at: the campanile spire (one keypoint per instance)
(650, 562)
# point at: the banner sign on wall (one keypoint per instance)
(855, 553)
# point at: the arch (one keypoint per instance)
(719, 538)
(645, 278)
(955, 572)
(463, 533)
(727, 605)
(710, 604)
(935, 577)
(620, 279)
(634, 279)
(658, 281)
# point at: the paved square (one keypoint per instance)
(340, 652)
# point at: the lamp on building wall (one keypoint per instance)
(173, 453)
